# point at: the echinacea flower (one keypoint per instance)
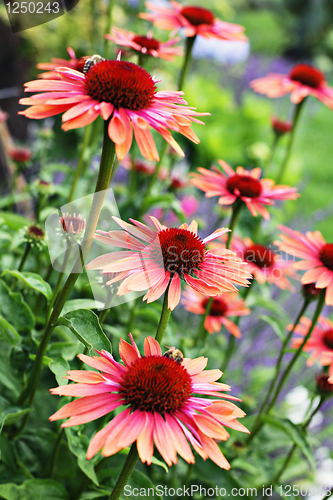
(316, 258)
(73, 63)
(320, 343)
(265, 264)
(20, 154)
(324, 387)
(160, 404)
(222, 308)
(120, 91)
(281, 127)
(146, 45)
(302, 81)
(242, 185)
(72, 223)
(194, 20)
(157, 258)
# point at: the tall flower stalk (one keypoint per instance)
(297, 112)
(104, 175)
(289, 367)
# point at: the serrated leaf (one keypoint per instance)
(15, 310)
(32, 280)
(296, 434)
(85, 326)
(34, 489)
(8, 332)
(277, 325)
(78, 444)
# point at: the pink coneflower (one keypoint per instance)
(302, 81)
(243, 185)
(265, 264)
(281, 127)
(161, 408)
(146, 45)
(320, 343)
(73, 63)
(324, 387)
(20, 154)
(223, 307)
(119, 90)
(158, 258)
(73, 224)
(194, 20)
(316, 255)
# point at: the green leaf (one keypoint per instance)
(8, 332)
(78, 444)
(160, 463)
(75, 304)
(59, 367)
(277, 325)
(34, 489)
(85, 326)
(32, 280)
(140, 480)
(7, 377)
(5, 201)
(11, 415)
(296, 434)
(15, 310)
(14, 221)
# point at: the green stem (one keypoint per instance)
(108, 29)
(59, 280)
(273, 149)
(56, 451)
(126, 472)
(202, 332)
(24, 257)
(132, 315)
(232, 339)
(187, 59)
(294, 447)
(107, 306)
(271, 388)
(295, 120)
(320, 305)
(21, 265)
(164, 319)
(238, 205)
(80, 163)
(153, 180)
(104, 175)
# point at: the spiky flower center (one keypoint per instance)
(281, 127)
(260, 255)
(246, 185)
(35, 232)
(20, 155)
(219, 306)
(156, 384)
(198, 15)
(147, 43)
(328, 338)
(179, 250)
(72, 223)
(307, 75)
(326, 256)
(121, 83)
